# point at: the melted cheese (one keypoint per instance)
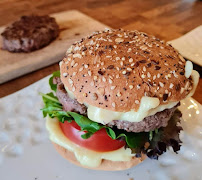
(84, 156)
(188, 69)
(148, 106)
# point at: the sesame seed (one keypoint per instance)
(73, 88)
(124, 72)
(123, 58)
(65, 74)
(175, 74)
(77, 55)
(166, 91)
(117, 76)
(118, 94)
(129, 69)
(95, 77)
(138, 87)
(81, 69)
(143, 76)
(108, 56)
(74, 73)
(161, 84)
(75, 64)
(103, 79)
(72, 63)
(83, 53)
(144, 68)
(148, 75)
(70, 81)
(131, 86)
(137, 101)
(171, 85)
(102, 63)
(158, 75)
(86, 66)
(119, 40)
(130, 60)
(85, 94)
(110, 81)
(129, 49)
(113, 87)
(117, 58)
(132, 64)
(115, 46)
(113, 104)
(89, 73)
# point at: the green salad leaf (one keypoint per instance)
(53, 108)
(52, 85)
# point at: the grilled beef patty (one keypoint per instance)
(30, 33)
(160, 119)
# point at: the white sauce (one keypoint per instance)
(148, 106)
(188, 69)
(85, 156)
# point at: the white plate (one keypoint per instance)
(27, 154)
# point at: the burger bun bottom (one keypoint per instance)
(106, 165)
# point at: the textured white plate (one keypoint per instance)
(27, 154)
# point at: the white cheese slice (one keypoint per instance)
(148, 106)
(85, 156)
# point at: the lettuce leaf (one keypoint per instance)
(53, 108)
(52, 85)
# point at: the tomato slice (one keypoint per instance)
(99, 141)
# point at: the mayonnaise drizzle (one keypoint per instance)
(85, 156)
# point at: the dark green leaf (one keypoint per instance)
(52, 85)
(85, 123)
(111, 132)
(86, 135)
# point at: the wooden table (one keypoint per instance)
(166, 19)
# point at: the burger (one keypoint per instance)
(114, 100)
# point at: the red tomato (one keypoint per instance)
(99, 141)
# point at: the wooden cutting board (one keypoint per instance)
(73, 24)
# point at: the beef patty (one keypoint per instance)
(150, 123)
(30, 33)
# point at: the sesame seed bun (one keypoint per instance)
(106, 165)
(114, 69)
